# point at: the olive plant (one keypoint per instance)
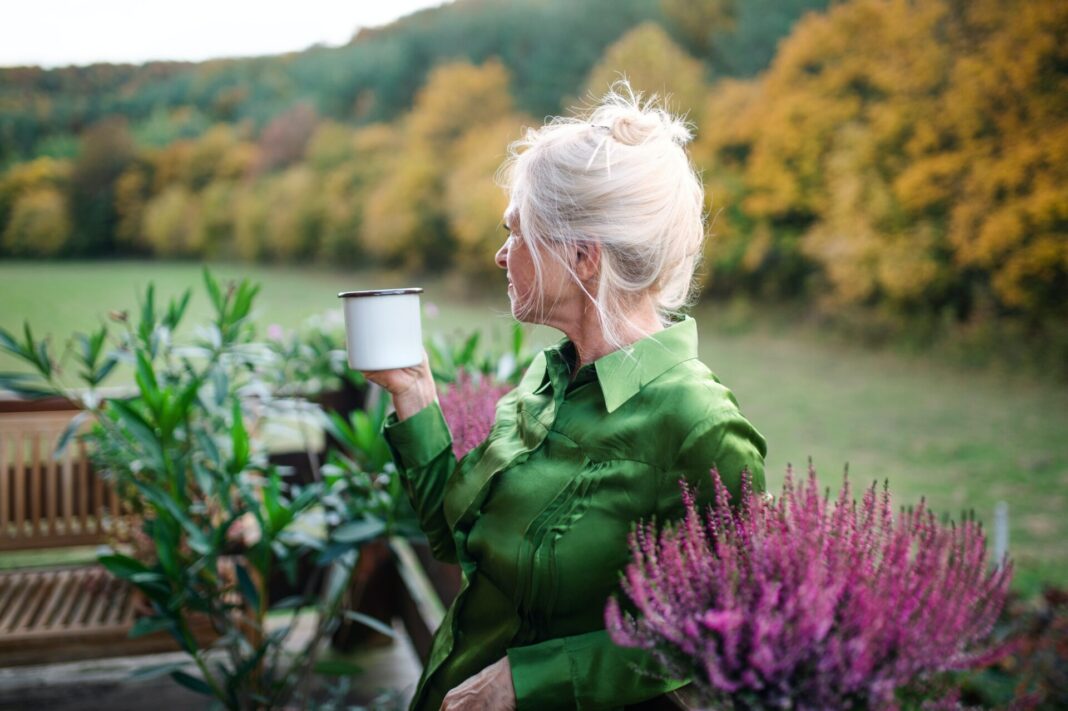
(220, 521)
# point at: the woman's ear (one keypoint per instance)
(587, 260)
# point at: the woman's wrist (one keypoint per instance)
(421, 394)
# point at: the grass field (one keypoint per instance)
(963, 439)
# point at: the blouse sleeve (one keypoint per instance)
(725, 440)
(422, 450)
(584, 671)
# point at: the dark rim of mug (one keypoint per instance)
(380, 292)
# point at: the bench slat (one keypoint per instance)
(9, 586)
(26, 585)
(61, 592)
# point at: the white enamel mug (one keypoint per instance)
(383, 328)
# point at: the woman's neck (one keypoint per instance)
(590, 343)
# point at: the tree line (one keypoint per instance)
(901, 158)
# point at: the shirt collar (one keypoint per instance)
(622, 373)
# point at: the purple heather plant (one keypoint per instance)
(469, 405)
(804, 603)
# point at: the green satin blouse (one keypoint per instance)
(537, 516)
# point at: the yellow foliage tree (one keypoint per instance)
(38, 225)
(404, 216)
(917, 150)
(402, 222)
(370, 156)
(456, 98)
(292, 232)
(30, 176)
(172, 223)
(474, 202)
(131, 195)
(654, 64)
(251, 214)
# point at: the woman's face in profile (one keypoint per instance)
(531, 302)
(515, 258)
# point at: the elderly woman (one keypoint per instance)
(604, 230)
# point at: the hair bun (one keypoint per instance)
(633, 122)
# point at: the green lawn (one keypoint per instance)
(963, 439)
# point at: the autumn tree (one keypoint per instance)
(910, 153)
(38, 225)
(172, 223)
(404, 218)
(474, 201)
(654, 64)
(106, 150)
(284, 139)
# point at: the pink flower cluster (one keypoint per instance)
(804, 603)
(470, 406)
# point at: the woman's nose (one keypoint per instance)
(501, 258)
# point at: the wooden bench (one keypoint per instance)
(50, 612)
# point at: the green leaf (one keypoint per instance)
(375, 624)
(301, 538)
(17, 383)
(246, 292)
(358, 531)
(167, 548)
(146, 381)
(105, 370)
(175, 310)
(149, 625)
(248, 589)
(221, 384)
(467, 354)
(207, 446)
(291, 602)
(9, 344)
(213, 291)
(122, 566)
(142, 432)
(191, 682)
(333, 552)
(68, 432)
(278, 515)
(44, 361)
(154, 670)
(239, 436)
(148, 315)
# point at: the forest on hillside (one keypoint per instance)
(901, 160)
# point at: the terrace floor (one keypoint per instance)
(110, 684)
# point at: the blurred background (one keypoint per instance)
(886, 276)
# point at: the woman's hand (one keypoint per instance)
(489, 690)
(412, 388)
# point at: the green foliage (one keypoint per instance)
(505, 363)
(311, 358)
(216, 520)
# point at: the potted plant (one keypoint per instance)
(221, 520)
(802, 603)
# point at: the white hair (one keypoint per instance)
(620, 177)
